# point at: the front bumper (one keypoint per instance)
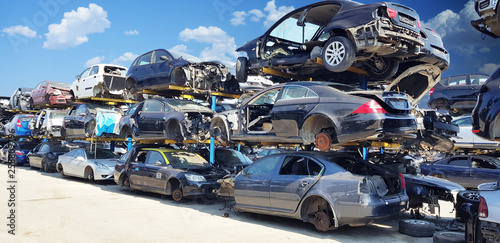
(194, 189)
(104, 174)
(59, 99)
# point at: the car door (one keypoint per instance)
(80, 88)
(142, 71)
(291, 108)
(458, 90)
(257, 112)
(88, 83)
(483, 170)
(295, 177)
(136, 170)
(161, 68)
(458, 170)
(68, 120)
(36, 93)
(34, 157)
(476, 81)
(78, 163)
(252, 186)
(79, 120)
(42, 153)
(150, 119)
(155, 166)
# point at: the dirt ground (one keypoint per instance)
(50, 208)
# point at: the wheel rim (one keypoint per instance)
(321, 221)
(335, 53)
(90, 176)
(323, 142)
(472, 196)
(177, 195)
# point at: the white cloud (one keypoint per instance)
(20, 30)
(489, 68)
(179, 48)
(126, 59)
(75, 26)
(239, 18)
(131, 32)
(485, 50)
(222, 45)
(256, 15)
(274, 14)
(94, 60)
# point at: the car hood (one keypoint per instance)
(433, 181)
(416, 81)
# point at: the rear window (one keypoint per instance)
(101, 154)
(25, 118)
(27, 146)
(457, 81)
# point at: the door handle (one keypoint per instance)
(265, 182)
(304, 184)
(301, 107)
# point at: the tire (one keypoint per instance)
(416, 227)
(89, 128)
(61, 170)
(63, 132)
(126, 183)
(177, 195)
(382, 68)
(90, 175)
(338, 54)
(45, 168)
(471, 197)
(242, 69)
(448, 237)
(220, 133)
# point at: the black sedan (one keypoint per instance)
(162, 118)
(326, 189)
(45, 155)
(375, 37)
(466, 170)
(167, 171)
(316, 113)
(80, 121)
(485, 116)
(158, 69)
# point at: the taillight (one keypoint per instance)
(392, 13)
(370, 107)
(431, 91)
(18, 152)
(475, 131)
(418, 23)
(403, 181)
(483, 208)
(18, 123)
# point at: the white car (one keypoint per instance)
(467, 140)
(47, 122)
(91, 164)
(100, 80)
(489, 211)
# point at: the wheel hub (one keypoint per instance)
(335, 53)
(321, 221)
(323, 142)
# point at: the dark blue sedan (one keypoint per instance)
(466, 170)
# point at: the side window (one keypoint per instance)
(85, 73)
(145, 59)
(72, 112)
(36, 149)
(482, 164)
(457, 81)
(132, 110)
(268, 97)
(79, 153)
(295, 165)
(152, 106)
(140, 157)
(477, 79)
(462, 162)
(264, 166)
(297, 92)
(158, 54)
(94, 70)
(124, 158)
(154, 156)
(45, 148)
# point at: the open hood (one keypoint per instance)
(416, 81)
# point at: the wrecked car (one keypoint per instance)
(81, 120)
(489, 23)
(47, 122)
(50, 93)
(159, 69)
(316, 113)
(163, 118)
(485, 118)
(91, 164)
(167, 171)
(227, 159)
(100, 80)
(326, 189)
(46, 154)
(21, 99)
(18, 126)
(374, 37)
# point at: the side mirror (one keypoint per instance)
(77, 77)
(157, 163)
(43, 86)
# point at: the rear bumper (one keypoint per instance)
(490, 231)
(372, 209)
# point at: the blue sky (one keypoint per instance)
(56, 39)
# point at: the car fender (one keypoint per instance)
(314, 193)
(306, 135)
(227, 124)
(493, 114)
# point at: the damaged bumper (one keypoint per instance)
(206, 74)
(373, 208)
(208, 189)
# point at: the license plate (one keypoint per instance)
(406, 20)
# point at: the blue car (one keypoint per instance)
(18, 126)
(16, 152)
(466, 170)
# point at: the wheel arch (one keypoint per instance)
(313, 200)
(172, 184)
(218, 120)
(313, 125)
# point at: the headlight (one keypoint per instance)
(102, 166)
(56, 92)
(192, 177)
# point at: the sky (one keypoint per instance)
(57, 39)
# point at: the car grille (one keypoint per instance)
(114, 82)
(484, 4)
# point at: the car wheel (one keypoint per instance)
(323, 142)
(89, 128)
(448, 237)
(338, 54)
(177, 195)
(417, 227)
(219, 132)
(321, 221)
(126, 183)
(89, 174)
(44, 167)
(63, 132)
(61, 170)
(382, 68)
(241, 69)
(463, 197)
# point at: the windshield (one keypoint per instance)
(185, 160)
(59, 148)
(184, 56)
(187, 105)
(229, 157)
(101, 154)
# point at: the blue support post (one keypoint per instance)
(363, 82)
(112, 146)
(365, 153)
(297, 148)
(212, 139)
(381, 150)
(239, 147)
(129, 144)
(44, 139)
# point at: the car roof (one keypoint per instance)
(164, 150)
